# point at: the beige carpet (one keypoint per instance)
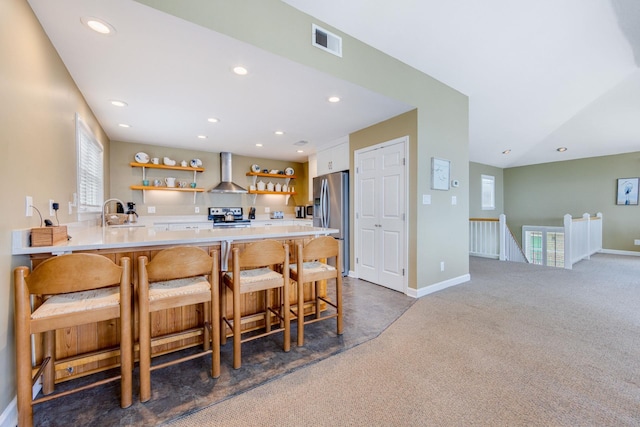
(518, 345)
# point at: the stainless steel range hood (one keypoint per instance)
(226, 186)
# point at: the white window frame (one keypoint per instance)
(488, 192)
(90, 170)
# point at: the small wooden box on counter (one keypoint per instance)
(48, 236)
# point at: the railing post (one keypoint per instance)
(567, 242)
(502, 243)
(587, 218)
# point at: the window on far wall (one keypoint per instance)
(90, 169)
(488, 192)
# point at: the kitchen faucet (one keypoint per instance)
(104, 206)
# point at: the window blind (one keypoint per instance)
(90, 169)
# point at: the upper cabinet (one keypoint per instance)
(333, 159)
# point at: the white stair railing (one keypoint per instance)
(510, 250)
(583, 237)
(577, 239)
(491, 238)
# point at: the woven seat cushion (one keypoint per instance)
(256, 275)
(172, 288)
(313, 267)
(78, 301)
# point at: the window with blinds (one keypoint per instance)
(90, 169)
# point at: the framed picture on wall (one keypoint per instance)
(627, 191)
(440, 174)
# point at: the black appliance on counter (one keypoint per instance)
(301, 211)
(227, 217)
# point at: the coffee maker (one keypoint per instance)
(132, 216)
(301, 212)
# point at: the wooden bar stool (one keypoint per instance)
(176, 277)
(77, 289)
(312, 267)
(252, 272)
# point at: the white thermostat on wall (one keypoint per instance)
(455, 183)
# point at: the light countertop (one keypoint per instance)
(94, 237)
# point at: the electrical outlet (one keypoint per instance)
(267, 210)
(70, 208)
(441, 265)
(197, 209)
(151, 209)
(52, 211)
(28, 206)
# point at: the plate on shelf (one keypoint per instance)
(255, 168)
(142, 157)
(288, 171)
(195, 163)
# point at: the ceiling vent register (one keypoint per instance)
(326, 40)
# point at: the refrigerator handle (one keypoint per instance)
(324, 200)
(327, 201)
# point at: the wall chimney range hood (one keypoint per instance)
(226, 185)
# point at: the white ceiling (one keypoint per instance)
(539, 75)
(174, 75)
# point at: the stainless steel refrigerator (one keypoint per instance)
(331, 209)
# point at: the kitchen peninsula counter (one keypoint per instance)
(175, 328)
(89, 238)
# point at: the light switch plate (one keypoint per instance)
(426, 199)
(151, 209)
(454, 200)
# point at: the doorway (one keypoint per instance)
(380, 214)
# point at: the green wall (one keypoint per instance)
(476, 170)
(542, 194)
(179, 203)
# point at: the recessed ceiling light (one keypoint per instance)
(562, 149)
(213, 120)
(98, 25)
(300, 151)
(241, 71)
(258, 145)
(279, 132)
(506, 151)
(334, 99)
(124, 125)
(118, 103)
(202, 137)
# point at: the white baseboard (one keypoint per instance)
(617, 252)
(418, 293)
(9, 417)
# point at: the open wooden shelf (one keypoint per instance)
(271, 175)
(151, 187)
(175, 168)
(282, 193)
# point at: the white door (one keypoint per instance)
(380, 214)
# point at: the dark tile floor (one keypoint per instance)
(184, 388)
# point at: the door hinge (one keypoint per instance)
(357, 260)
(403, 272)
(357, 215)
(357, 169)
(403, 161)
(403, 217)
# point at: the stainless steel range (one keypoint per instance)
(228, 217)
